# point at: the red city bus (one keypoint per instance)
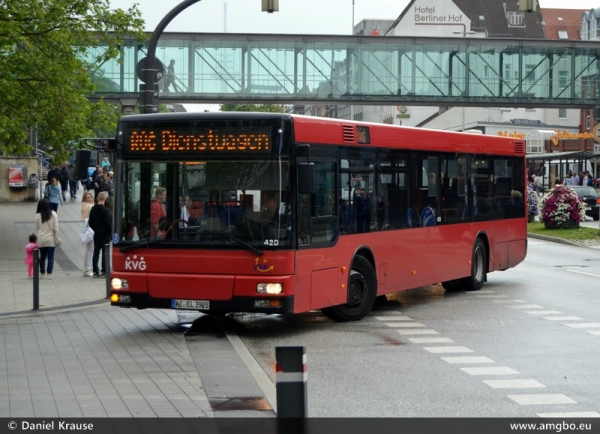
(278, 213)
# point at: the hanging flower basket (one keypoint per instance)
(561, 208)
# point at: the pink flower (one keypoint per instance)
(562, 204)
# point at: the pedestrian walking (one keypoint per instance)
(54, 172)
(46, 226)
(72, 182)
(101, 224)
(54, 194)
(29, 248)
(86, 206)
(64, 180)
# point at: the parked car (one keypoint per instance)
(591, 199)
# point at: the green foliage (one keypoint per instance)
(269, 108)
(571, 234)
(43, 75)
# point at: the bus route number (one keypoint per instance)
(271, 243)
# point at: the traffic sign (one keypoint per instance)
(159, 70)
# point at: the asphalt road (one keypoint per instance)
(530, 337)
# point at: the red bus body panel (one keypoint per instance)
(317, 277)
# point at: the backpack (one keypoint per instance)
(64, 175)
(590, 182)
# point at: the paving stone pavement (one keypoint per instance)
(76, 356)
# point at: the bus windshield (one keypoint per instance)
(232, 203)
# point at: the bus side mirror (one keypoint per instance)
(306, 178)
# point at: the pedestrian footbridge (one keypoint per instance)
(359, 70)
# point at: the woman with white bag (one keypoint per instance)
(86, 206)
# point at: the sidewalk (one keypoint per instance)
(78, 357)
(69, 287)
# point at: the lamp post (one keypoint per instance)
(352, 29)
(148, 103)
(464, 33)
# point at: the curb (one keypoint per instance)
(55, 309)
(561, 241)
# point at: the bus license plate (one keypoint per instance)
(588, 208)
(190, 304)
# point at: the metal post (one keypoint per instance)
(290, 380)
(36, 279)
(148, 104)
(107, 268)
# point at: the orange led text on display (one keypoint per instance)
(172, 141)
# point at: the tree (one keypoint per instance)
(269, 108)
(47, 59)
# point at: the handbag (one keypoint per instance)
(87, 234)
(57, 239)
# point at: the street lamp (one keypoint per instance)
(270, 6)
(148, 102)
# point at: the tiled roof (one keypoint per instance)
(494, 22)
(571, 22)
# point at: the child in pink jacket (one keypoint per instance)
(29, 248)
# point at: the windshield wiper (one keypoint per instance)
(245, 244)
(144, 243)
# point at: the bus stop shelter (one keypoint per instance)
(554, 166)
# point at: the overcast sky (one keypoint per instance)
(294, 16)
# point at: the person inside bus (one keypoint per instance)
(514, 207)
(157, 212)
(269, 207)
(360, 209)
(305, 222)
(184, 211)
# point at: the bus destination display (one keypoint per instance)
(168, 140)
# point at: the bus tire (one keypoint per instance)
(478, 268)
(362, 290)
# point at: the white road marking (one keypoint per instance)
(542, 312)
(467, 359)
(583, 272)
(485, 291)
(456, 349)
(404, 324)
(418, 332)
(594, 332)
(582, 325)
(393, 318)
(492, 296)
(508, 301)
(513, 384)
(500, 370)
(563, 318)
(527, 306)
(557, 398)
(431, 340)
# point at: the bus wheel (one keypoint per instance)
(362, 289)
(478, 268)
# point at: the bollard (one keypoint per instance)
(290, 380)
(107, 268)
(36, 279)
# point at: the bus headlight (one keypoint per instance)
(117, 283)
(269, 288)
